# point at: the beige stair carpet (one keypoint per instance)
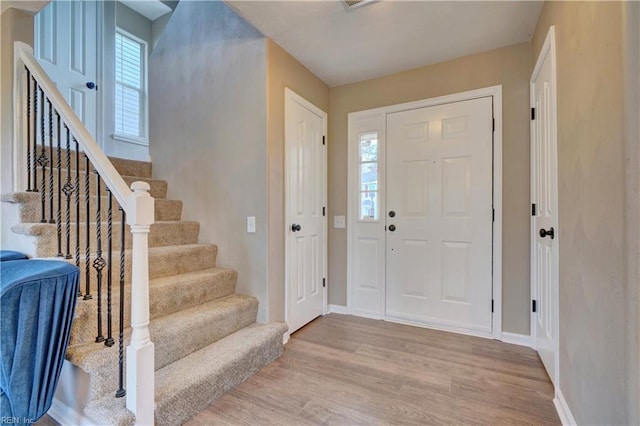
(205, 335)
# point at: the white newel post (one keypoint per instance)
(140, 352)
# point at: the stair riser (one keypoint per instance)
(213, 380)
(164, 300)
(206, 330)
(158, 187)
(31, 210)
(123, 166)
(102, 365)
(161, 235)
(201, 257)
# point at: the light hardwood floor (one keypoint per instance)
(345, 370)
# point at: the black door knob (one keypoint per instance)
(392, 214)
(392, 228)
(295, 227)
(91, 85)
(550, 232)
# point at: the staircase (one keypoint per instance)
(205, 335)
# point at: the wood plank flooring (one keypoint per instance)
(346, 370)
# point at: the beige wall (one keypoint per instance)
(594, 375)
(16, 25)
(283, 70)
(510, 67)
(208, 121)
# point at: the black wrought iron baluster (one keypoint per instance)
(87, 232)
(77, 202)
(59, 211)
(34, 155)
(99, 263)
(29, 189)
(51, 220)
(121, 391)
(68, 190)
(109, 341)
(42, 161)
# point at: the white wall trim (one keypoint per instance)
(516, 339)
(337, 309)
(66, 415)
(564, 412)
(285, 338)
(496, 93)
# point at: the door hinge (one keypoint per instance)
(324, 212)
(493, 215)
(533, 113)
(534, 307)
(533, 209)
(324, 140)
(493, 124)
(491, 305)
(324, 282)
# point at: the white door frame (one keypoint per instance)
(548, 49)
(292, 97)
(496, 93)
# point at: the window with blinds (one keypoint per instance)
(130, 87)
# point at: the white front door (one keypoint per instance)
(439, 215)
(544, 199)
(305, 127)
(66, 45)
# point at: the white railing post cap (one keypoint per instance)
(140, 205)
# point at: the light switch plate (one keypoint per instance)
(251, 224)
(339, 222)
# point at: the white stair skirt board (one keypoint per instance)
(65, 415)
(566, 417)
(338, 309)
(516, 339)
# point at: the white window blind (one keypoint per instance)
(130, 87)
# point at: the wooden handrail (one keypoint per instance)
(24, 54)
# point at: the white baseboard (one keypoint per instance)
(566, 417)
(66, 415)
(517, 339)
(337, 309)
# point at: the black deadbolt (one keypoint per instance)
(392, 214)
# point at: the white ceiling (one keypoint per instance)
(387, 36)
(150, 9)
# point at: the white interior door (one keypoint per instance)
(66, 45)
(544, 194)
(305, 127)
(439, 215)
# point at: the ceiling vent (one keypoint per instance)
(353, 4)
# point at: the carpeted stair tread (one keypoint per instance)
(158, 187)
(109, 410)
(189, 330)
(170, 294)
(163, 262)
(166, 296)
(189, 385)
(122, 165)
(162, 233)
(174, 336)
(30, 209)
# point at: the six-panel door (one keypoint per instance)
(439, 242)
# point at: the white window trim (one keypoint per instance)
(144, 115)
